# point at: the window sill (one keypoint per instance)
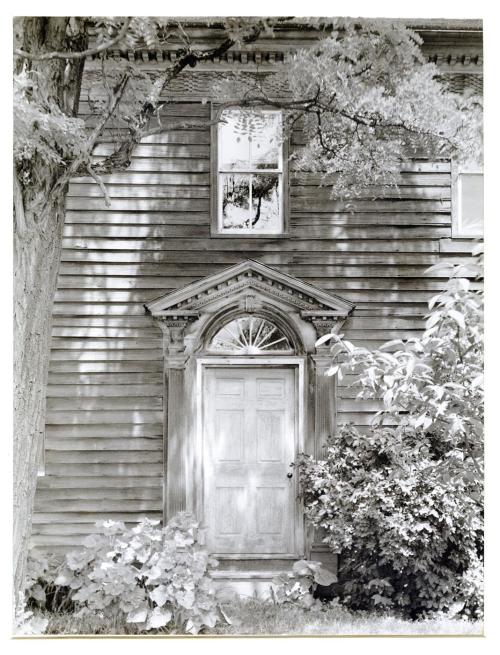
(214, 234)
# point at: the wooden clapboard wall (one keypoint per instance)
(103, 449)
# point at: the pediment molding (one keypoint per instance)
(257, 278)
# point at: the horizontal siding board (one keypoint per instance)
(106, 344)
(115, 482)
(220, 257)
(82, 417)
(104, 443)
(118, 284)
(143, 275)
(104, 470)
(82, 186)
(324, 194)
(141, 204)
(177, 164)
(108, 355)
(98, 379)
(126, 493)
(87, 191)
(142, 296)
(297, 219)
(160, 151)
(242, 245)
(112, 457)
(106, 402)
(299, 230)
(102, 390)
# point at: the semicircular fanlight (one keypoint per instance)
(250, 335)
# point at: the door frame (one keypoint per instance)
(196, 501)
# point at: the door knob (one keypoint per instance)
(289, 475)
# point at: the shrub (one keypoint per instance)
(155, 577)
(403, 503)
(300, 586)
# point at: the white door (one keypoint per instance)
(250, 436)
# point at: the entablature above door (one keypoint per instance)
(187, 315)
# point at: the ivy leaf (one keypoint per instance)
(158, 618)
(332, 370)
(159, 595)
(137, 616)
(324, 577)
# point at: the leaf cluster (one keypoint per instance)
(403, 502)
(157, 578)
(299, 586)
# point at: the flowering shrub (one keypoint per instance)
(156, 577)
(403, 503)
(299, 587)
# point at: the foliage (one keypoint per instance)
(299, 586)
(154, 577)
(41, 589)
(403, 503)
(366, 100)
(27, 622)
(41, 128)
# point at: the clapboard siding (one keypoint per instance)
(104, 429)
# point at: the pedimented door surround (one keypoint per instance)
(192, 320)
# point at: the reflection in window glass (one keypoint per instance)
(235, 201)
(471, 204)
(265, 202)
(250, 171)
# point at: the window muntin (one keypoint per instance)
(250, 172)
(250, 335)
(470, 215)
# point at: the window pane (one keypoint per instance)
(234, 143)
(265, 203)
(471, 203)
(250, 335)
(265, 145)
(235, 201)
(249, 140)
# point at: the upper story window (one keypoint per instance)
(468, 203)
(250, 172)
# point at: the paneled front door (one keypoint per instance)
(250, 436)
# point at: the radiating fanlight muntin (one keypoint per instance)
(250, 335)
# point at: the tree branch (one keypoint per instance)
(120, 159)
(46, 56)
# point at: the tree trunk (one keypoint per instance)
(36, 260)
(38, 227)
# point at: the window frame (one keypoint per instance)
(456, 206)
(216, 229)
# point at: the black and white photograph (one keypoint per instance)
(248, 325)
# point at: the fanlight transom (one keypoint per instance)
(250, 335)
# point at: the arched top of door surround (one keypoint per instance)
(191, 316)
(250, 335)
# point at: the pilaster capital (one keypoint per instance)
(173, 325)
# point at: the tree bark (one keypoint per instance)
(36, 260)
(38, 229)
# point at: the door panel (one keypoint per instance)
(249, 441)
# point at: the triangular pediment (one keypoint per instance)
(264, 280)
